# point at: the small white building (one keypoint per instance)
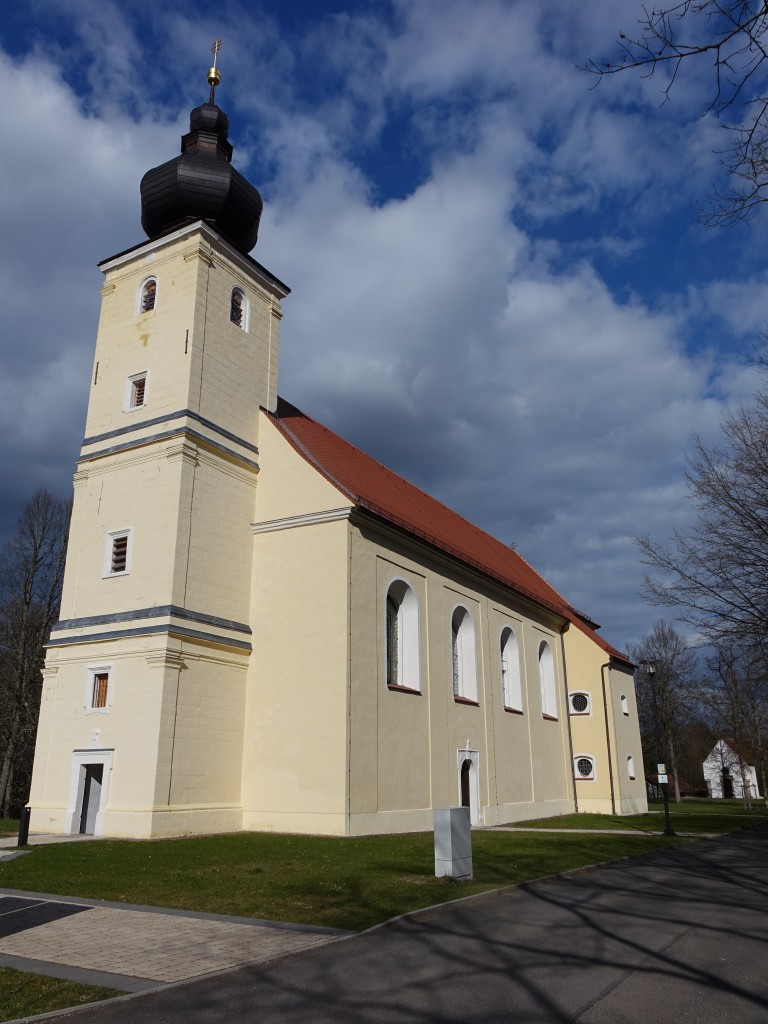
(728, 775)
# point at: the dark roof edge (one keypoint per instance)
(459, 556)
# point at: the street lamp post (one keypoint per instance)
(650, 669)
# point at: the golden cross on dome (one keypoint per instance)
(214, 75)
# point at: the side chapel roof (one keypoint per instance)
(372, 486)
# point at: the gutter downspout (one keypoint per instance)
(607, 665)
(568, 715)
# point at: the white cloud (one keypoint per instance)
(457, 331)
(69, 198)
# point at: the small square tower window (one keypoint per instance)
(118, 554)
(100, 689)
(98, 695)
(136, 391)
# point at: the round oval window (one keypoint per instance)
(584, 766)
(579, 702)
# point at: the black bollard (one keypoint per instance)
(24, 826)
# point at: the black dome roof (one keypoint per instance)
(202, 184)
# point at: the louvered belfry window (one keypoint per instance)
(100, 689)
(119, 561)
(138, 390)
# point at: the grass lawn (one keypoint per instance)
(9, 825)
(342, 883)
(692, 815)
(22, 994)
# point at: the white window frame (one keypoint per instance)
(547, 681)
(511, 677)
(463, 655)
(92, 672)
(245, 308)
(624, 705)
(112, 536)
(140, 296)
(577, 774)
(408, 656)
(572, 710)
(631, 767)
(130, 384)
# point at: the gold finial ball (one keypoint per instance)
(214, 76)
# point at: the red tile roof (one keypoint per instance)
(370, 485)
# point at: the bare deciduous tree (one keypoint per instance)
(732, 35)
(716, 574)
(665, 703)
(31, 575)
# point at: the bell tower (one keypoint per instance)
(141, 724)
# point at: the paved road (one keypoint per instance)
(675, 937)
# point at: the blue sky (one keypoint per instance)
(499, 285)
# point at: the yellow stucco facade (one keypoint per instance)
(223, 659)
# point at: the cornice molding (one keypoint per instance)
(309, 519)
(250, 266)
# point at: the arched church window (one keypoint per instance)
(402, 637)
(148, 295)
(511, 684)
(463, 661)
(547, 681)
(238, 308)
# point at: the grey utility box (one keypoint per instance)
(453, 843)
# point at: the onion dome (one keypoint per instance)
(202, 184)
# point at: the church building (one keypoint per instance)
(264, 628)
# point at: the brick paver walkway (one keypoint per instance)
(155, 945)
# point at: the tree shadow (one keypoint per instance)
(555, 951)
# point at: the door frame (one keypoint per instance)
(81, 758)
(475, 810)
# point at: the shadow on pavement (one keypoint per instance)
(675, 936)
